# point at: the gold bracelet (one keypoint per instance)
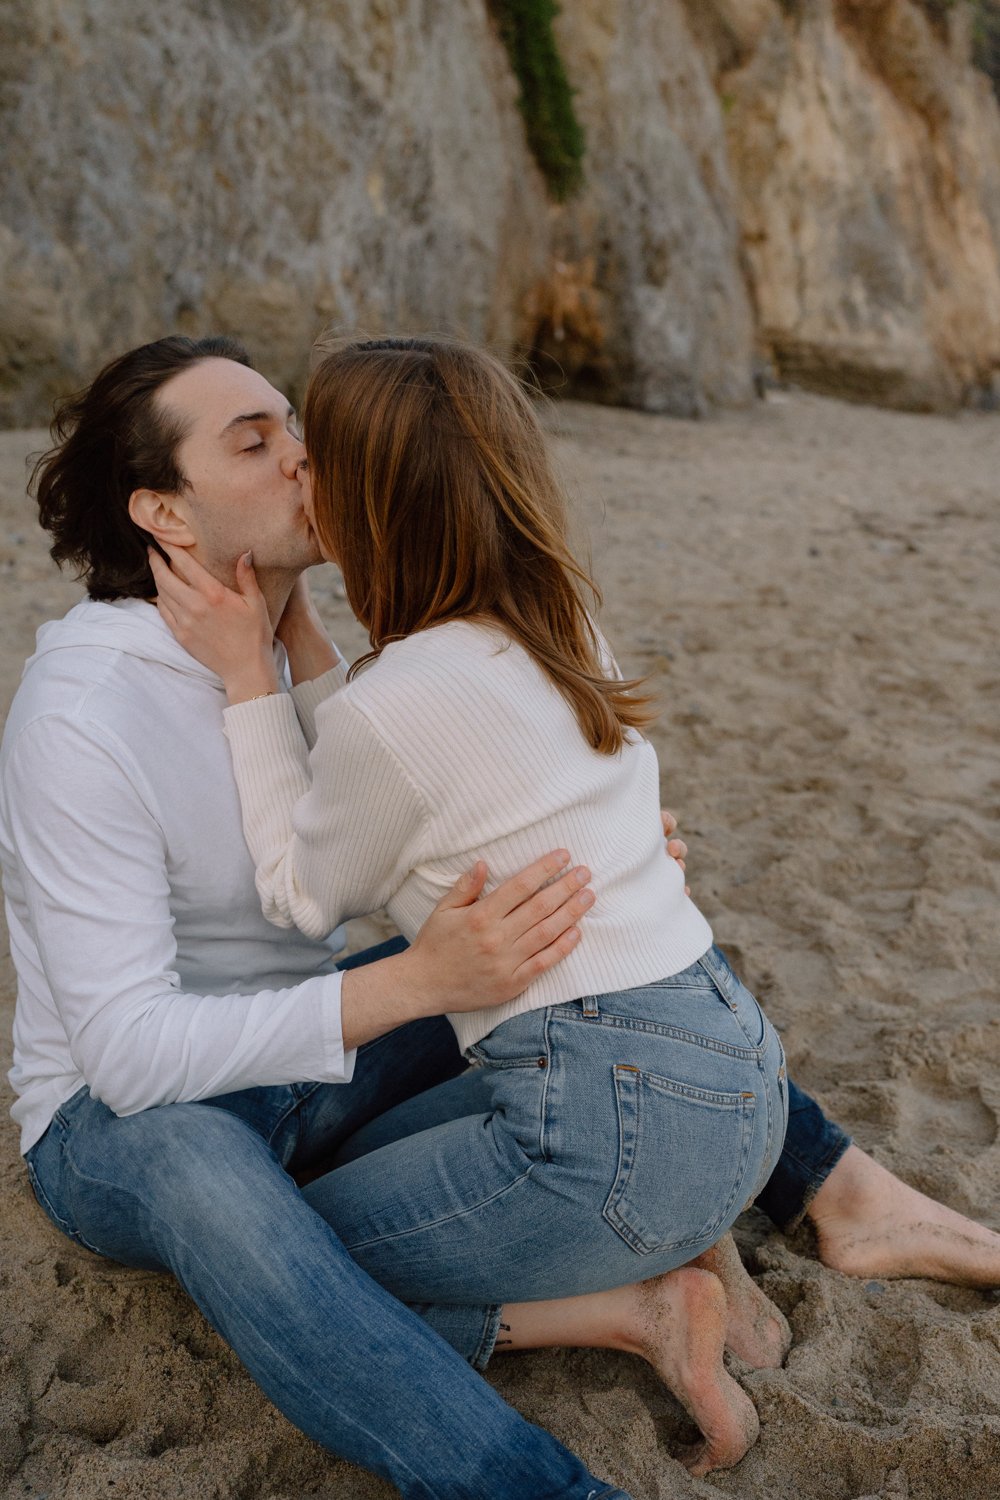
(271, 693)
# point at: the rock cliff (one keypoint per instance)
(811, 183)
(866, 150)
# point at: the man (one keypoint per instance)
(175, 1054)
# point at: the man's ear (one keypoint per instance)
(159, 515)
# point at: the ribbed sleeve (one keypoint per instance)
(307, 697)
(332, 836)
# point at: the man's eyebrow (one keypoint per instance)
(255, 416)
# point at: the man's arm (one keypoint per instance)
(92, 862)
(469, 948)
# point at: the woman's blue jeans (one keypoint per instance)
(613, 1138)
(204, 1191)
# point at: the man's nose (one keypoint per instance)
(291, 459)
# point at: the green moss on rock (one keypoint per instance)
(554, 133)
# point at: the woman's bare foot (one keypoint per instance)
(756, 1330)
(679, 1327)
(677, 1323)
(869, 1223)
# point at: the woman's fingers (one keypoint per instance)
(166, 612)
(198, 594)
(183, 565)
(669, 822)
(168, 577)
(246, 578)
(168, 585)
(186, 581)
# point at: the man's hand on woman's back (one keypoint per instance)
(474, 951)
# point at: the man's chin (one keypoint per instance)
(315, 555)
(304, 554)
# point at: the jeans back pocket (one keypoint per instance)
(682, 1161)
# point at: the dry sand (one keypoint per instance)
(815, 589)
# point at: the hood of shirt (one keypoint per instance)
(132, 626)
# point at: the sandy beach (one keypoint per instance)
(813, 588)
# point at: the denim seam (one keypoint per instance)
(45, 1202)
(721, 978)
(676, 1033)
(711, 1098)
(543, 1117)
(620, 1170)
(402, 1234)
(292, 1109)
(679, 982)
(503, 1065)
(738, 1193)
(761, 1048)
(810, 1168)
(62, 1118)
(488, 1338)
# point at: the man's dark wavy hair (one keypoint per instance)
(108, 440)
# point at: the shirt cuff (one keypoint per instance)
(339, 1064)
(267, 729)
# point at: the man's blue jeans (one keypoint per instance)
(813, 1146)
(205, 1191)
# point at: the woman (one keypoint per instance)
(624, 1108)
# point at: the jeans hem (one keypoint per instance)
(818, 1174)
(488, 1338)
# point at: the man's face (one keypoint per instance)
(243, 460)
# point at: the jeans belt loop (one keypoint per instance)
(589, 1004)
(722, 980)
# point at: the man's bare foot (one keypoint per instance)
(869, 1223)
(678, 1324)
(756, 1330)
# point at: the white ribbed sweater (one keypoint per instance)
(455, 746)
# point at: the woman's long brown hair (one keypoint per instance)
(432, 488)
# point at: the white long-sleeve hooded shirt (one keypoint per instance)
(145, 967)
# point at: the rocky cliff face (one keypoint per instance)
(260, 168)
(815, 183)
(866, 150)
